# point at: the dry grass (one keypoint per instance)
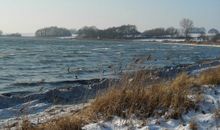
(133, 96)
(209, 77)
(26, 125)
(193, 125)
(217, 114)
(65, 123)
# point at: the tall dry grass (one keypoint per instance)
(209, 77)
(134, 98)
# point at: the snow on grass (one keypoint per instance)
(204, 117)
(35, 112)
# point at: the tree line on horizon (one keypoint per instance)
(131, 32)
(124, 32)
(10, 35)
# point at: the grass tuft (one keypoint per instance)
(193, 125)
(65, 123)
(209, 77)
(26, 125)
(130, 99)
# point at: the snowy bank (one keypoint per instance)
(40, 108)
(204, 117)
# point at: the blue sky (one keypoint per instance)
(26, 16)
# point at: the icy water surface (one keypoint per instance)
(35, 60)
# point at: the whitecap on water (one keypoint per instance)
(98, 49)
(5, 55)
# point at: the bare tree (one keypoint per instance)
(186, 25)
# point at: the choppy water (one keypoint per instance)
(28, 60)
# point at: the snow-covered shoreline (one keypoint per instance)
(43, 106)
(176, 42)
(40, 112)
(204, 117)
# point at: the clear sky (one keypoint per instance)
(26, 16)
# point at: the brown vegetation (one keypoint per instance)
(209, 77)
(65, 123)
(134, 98)
(217, 114)
(193, 125)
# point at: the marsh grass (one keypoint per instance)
(132, 95)
(209, 77)
(134, 98)
(67, 123)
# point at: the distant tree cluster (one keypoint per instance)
(187, 31)
(53, 32)
(88, 32)
(173, 32)
(161, 32)
(121, 32)
(13, 35)
(213, 31)
(10, 35)
(216, 38)
(73, 31)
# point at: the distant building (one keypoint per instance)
(197, 34)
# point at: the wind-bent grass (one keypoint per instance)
(133, 96)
